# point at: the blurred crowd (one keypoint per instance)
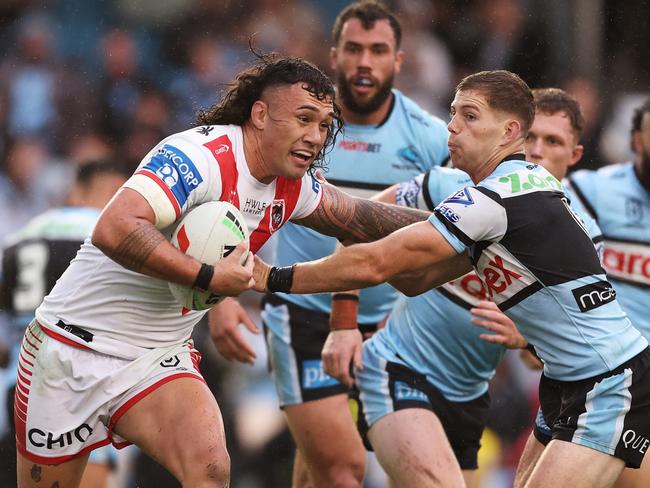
(83, 80)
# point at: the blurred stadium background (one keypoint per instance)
(89, 79)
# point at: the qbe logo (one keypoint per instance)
(313, 375)
(594, 295)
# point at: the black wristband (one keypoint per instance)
(345, 296)
(204, 277)
(280, 279)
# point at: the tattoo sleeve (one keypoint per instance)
(136, 247)
(350, 218)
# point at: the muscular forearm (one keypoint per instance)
(357, 219)
(137, 245)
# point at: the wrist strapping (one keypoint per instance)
(345, 308)
(204, 277)
(280, 279)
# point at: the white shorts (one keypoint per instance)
(69, 398)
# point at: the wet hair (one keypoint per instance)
(639, 112)
(273, 70)
(550, 101)
(368, 12)
(504, 91)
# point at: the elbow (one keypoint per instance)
(100, 239)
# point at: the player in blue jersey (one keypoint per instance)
(537, 264)
(428, 369)
(387, 138)
(618, 197)
(35, 258)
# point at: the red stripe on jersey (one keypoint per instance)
(165, 188)
(183, 241)
(287, 192)
(221, 150)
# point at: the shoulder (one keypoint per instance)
(418, 117)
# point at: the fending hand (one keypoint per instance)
(488, 316)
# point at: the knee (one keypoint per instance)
(212, 469)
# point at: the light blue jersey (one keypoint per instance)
(537, 263)
(621, 205)
(368, 159)
(432, 333)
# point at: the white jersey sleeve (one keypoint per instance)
(174, 177)
(470, 215)
(311, 194)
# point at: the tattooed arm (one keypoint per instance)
(125, 232)
(357, 219)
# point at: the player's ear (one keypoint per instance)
(259, 114)
(577, 153)
(512, 131)
(399, 59)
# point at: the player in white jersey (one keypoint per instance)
(108, 358)
(539, 266)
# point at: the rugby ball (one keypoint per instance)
(208, 233)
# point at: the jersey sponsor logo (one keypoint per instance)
(627, 261)
(447, 213)
(39, 438)
(277, 215)
(254, 207)
(469, 288)
(315, 185)
(360, 146)
(461, 197)
(313, 375)
(176, 171)
(592, 296)
(524, 182)
(497, 277)
(637, 442)
(404, 391)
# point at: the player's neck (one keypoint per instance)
(255, 156)
(642, 174)
(496, 158)
(374, 118)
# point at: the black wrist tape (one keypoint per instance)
(280, 279)
(345, 296)
(204, 277)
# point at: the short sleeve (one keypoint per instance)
(174, 177)
(311, 194)
(470, 215)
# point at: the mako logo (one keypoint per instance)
(406, 392)
(594, 295)
(39, 438)
(313, 375)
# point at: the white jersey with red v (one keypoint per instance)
(122, 312)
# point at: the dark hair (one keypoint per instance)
(637, 118)
(272, 70)
(368, 12)
(553, 100)
(504, 91)
(89, 170)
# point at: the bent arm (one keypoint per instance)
(407, 250)
(126, 233)
(357, 219)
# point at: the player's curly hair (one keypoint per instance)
(273, 70)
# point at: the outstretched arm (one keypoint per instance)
(356, 219)
(407, 250)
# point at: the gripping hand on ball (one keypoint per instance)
(231, 277)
